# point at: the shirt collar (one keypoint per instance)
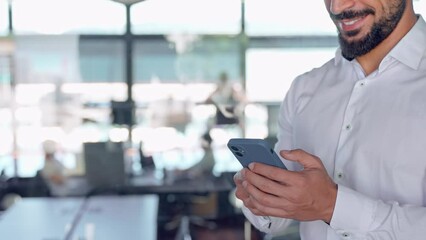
(409, 50)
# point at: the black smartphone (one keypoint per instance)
(248, 150)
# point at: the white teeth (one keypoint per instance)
(350, 22)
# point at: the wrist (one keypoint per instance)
(329, 210)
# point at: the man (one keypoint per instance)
(352, 133)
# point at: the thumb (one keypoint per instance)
(308, 161)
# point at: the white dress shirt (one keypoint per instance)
(370, 132)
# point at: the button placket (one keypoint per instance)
(347, 127)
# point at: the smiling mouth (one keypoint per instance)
(350, 25)
(351, 20)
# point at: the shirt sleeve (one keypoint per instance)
(357, 216)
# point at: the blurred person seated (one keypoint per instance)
(53, 171)
(193, 208)
(203, 168)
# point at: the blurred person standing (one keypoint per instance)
(229, 100)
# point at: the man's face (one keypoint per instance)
(364, 24)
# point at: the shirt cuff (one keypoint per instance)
(262, 223)
(270, 225)
(353, 211)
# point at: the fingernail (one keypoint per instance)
(251, 166)
(243, 173)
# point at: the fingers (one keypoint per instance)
(305, 159)
(301, 195)
(264, 183)
(263, 190)
(263, 203)
(240, 191)
(274, 173)
(256, 191)
(242, 194)
(238, 177)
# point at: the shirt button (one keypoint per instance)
(339, 175)
(346, 235)
(362, 84)
(348, 127)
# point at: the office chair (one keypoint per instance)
(191, 210)
(16, 188)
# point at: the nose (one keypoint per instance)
(338, 6)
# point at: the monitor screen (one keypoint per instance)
(104, 163)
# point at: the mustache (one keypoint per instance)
(352, 14)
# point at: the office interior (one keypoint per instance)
(126, 82)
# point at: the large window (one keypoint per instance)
(186, 59)
(71, 61)
(46, 59)
(102, 60)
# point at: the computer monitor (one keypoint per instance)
(122, 112)
(104, 164)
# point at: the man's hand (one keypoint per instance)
(306, 195)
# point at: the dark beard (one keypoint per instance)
(379, 32)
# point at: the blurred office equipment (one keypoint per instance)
(121, 112)
(104, 164)
(146, 161)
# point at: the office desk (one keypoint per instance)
(118, 217)
(39, 218)
(200, 185)
(100, 217)
(149, 184)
